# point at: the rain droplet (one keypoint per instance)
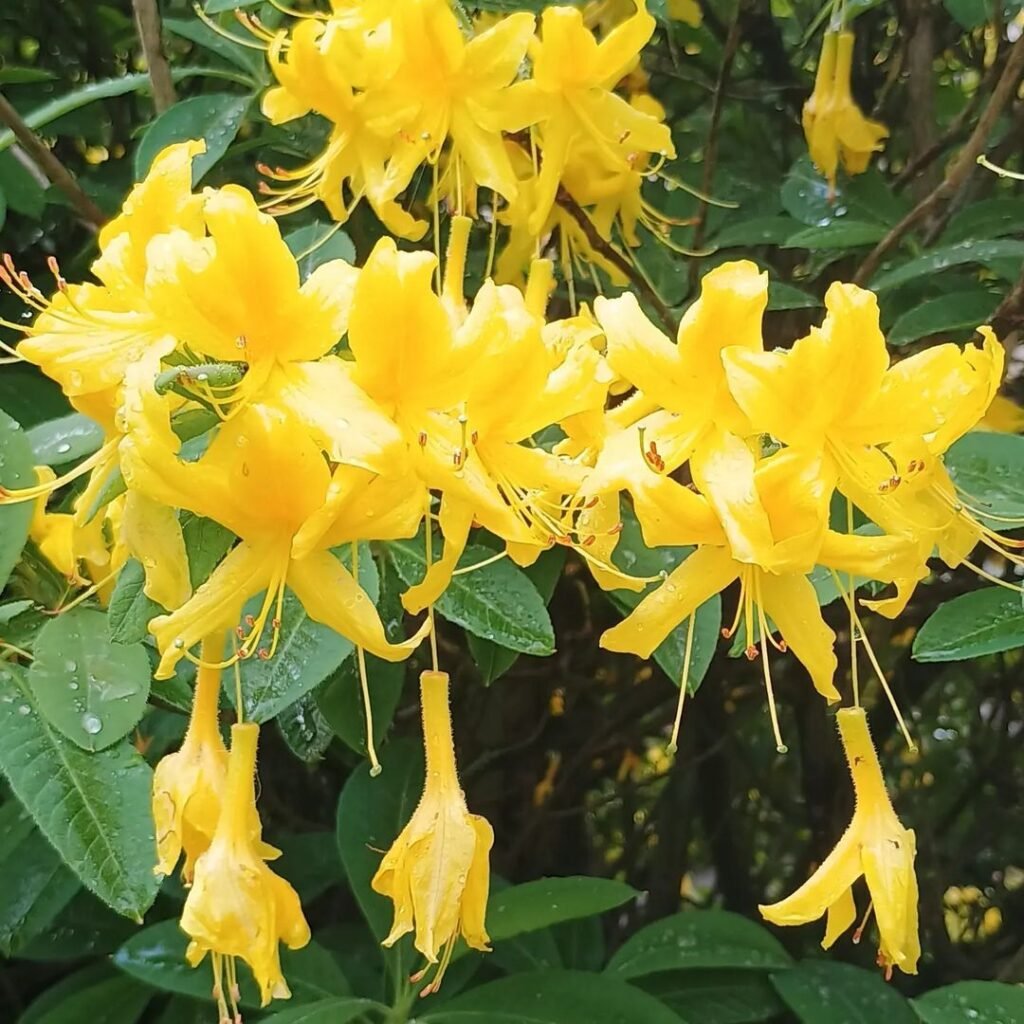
(91, 724)
(24, 709)
(64, 448)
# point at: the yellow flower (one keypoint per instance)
(238, 907)
(53, 532)
(569, 97)
(437, 872)
(883, 428)
(455, 91)
(696, 418)
(874, 845)
(834, 126)
(262, 477)
(607, 14)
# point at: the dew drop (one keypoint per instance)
(64, 448)
(91, 724)
(24, 709)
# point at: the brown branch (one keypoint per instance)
(54, 170)
(1009, 317)
(732, 44)
(960, 169)
(618, 260)
(920, 53)
(147, 21)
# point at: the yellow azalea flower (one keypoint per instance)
(53, 532)
(437, 872)
(455, 90)
(261, 477)
(237, 907)
(325, 65)
(696, 418)
(883, 428)
(688, 11)
(1003, 416)
(835, 129)
(189, 785)
(792, 494)
(607, 14)
(569, 97)
(874, 845)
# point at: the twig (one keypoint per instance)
(732, 43)
(610, 253)
(959, 171)
(1010, 314)
(147, 21)
(920, 51)
(45, 160)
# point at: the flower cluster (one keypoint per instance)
(404, 89)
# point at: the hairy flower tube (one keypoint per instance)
(237, 907)
(437, 872)
(875, 846)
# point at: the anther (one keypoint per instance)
(782, 646)
(616, 529)
(250, 621)
(263, 654)
(592, 502)
(751, 653)
(587, 541)
(422, 439)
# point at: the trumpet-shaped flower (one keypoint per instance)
(262, 476)
(437, 873)
(834, 126)
(874, 845)
(238, 907)
(569, 97)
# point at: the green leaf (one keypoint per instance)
(84, 928)
(553, 997)
(37, 885)
(984, 621)
(156, 956)
(130, 610)
(957, 311)
(196, 31)
(580, 943)
(715, 996)
(68, 439)
(818, 990)
(988, 469)
(15, 471)
(371, 813)
(970, 13)
(305, 729)
(91, 690)
(319, 243)
(310, 862)
(972, 1002)
(755, 231)
(308, 652)
(113, 1000)
(805, 196)
(108, 843)
(492, 659)
(219, 6)
(215, 117)
(936, 260)
(987, 218)
(548, 901)
(698, 938)
(840, 234)
(23, 192)
(341, 698)
(327, 1011)
(69, 102)
(497, 602)
(785, 296)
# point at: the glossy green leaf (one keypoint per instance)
(492, 659)
(756, 231)
(818, 990)
(986, 218)
(936, 260)
(306, 655)
(553, 997)
(90, 689)
(327, 1011)
(580, 943)
(215, 117)
(15, 471)
(988, 469)
(958, 311)
(37, 885)
(130, 609)
(970, 13)
(84, 928)
(972, 1002)
(698, 938)
(113, 1000)
(785, 296)
(108, 843)
(497, 602)
(196, 31)
(806, 196)
(548, 901)
(319, 243)
(64, 440)
(371, 813)
(715, 996)
(981, 622)
(218, 6)
(842, 233)
(310, 861)
(23, 192)
(156, 956)
(305, 729)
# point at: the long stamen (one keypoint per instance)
(673, 743)
(12, 496)
(429, 553)
(772, 710)
(854, 670)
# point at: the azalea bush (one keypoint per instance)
(511, 512)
